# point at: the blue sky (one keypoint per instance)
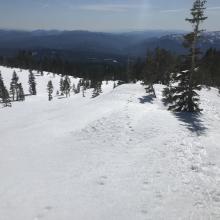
(105, 15)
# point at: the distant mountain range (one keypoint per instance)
(85, 44)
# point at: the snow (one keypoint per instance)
(120, 156)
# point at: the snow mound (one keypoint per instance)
(119, 156)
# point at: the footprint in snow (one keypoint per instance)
(45, 211)
(216, 197)
(146, 182)
(145, 212)
(101, 182)
(158, 195)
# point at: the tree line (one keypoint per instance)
(16, 92)
(183, 75)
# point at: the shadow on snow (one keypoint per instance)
(192, 121)
(146, 99)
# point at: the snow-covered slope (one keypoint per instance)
(120, 156)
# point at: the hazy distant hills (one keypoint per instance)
(96, 44)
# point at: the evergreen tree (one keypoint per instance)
(184, 94)
(74, 88)
(150, 90)
(97, 89)
(32, 84)
(50, 90)
(88, 84)
(78, 87)
(83, 90)
(61, 86)
(83, 87)
(1, 85)
(14, 86)
(66, 86)
(114, 85)
(209, 68)
(4, 94)
(150, 74)
(21, 95)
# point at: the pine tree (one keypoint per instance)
(4, 94)
(1, 86)
(14, 86)
(87, 84)
(83, 90)
(21, 95)
(61, 86)
(184, 96)
(32, 84)
(50, 90)
(74, 88)
(150, 90)
(150, 75)
(78, 87)
(83, 87)
(66, 85)
(97, 89)
(114, 85)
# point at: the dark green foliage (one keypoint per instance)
(209, 71)
(158, 66)
(120, 82)
(150, 90)
(4, 94)
(14, 86)
(97, 85)
(21, 95)
(83, 90)
(66, 86)
(50, 90)
(16, 89)
(87, 84)
(157, 69)
(168, 95)
(114, 85)
(179, 97)
(32, 84)
(183, 96)
(137, 69)
(78, 87)
(61, 86)
(88, 70)
(74, 88)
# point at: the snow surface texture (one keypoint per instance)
(120, 156)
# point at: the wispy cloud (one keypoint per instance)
(216, 8)
(173, 10)
(111, 7)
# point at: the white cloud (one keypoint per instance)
(173, 10)
(216, 8)
(112, 7)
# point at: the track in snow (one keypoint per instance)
(120, 156)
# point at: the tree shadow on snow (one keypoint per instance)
(192, 121)
(146, 99)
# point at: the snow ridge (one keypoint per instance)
(119, 156)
